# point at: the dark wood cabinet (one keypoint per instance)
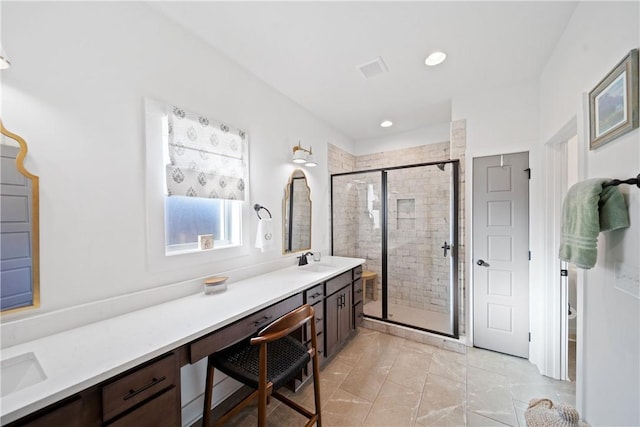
(338, 319)
(141, 395)
(357, 313)
(159, 411)
(66, 413)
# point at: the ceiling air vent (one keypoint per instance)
(373, 68)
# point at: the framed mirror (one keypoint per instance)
(297, 214)
(19, 227)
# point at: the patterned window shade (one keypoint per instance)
(208, 159)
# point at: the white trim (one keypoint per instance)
(554, 296)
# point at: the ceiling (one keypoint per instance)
(310, 52)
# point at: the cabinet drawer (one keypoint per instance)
(319, 310)
(357, 272)
(164, 411)
(134, 387)
(313, 295)
(338, 282)
(241, 329)
(357, 291)
(68, 414)
(319, 318)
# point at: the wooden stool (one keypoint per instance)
(266, 362)
(366, 276)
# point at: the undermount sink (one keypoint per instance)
(19, 372)
(317, 268)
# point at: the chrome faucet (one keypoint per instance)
(302, 259)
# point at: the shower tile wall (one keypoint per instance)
(366, 243)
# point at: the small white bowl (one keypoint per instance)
(214, 285)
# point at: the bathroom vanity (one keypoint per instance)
(125, 371)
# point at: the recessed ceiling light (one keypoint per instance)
(386, 124)
(435, 58)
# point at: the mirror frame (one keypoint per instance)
(35, 220)
(285, 208)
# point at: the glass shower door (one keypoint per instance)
(357, 227)
(421, 248)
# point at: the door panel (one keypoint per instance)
(15, 234)
(501, 253)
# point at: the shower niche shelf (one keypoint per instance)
(406, 214)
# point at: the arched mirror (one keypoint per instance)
(19, 227)
(297, 214)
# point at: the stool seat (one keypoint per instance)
(366, 277)
(285, 359)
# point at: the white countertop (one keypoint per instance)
(79, 358)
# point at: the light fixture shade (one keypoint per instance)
(435, 58)
(4, 62)
(299, 156)
(311, 161)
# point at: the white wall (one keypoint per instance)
(598, 36)
(499, 121)
(75, 92)
(397, 141)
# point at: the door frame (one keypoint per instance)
(454, 257)
(554, 362)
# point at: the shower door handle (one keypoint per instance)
(445, 247)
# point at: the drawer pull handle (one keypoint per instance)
(316, 295)
(153, 382)
(261, 322)
(359, 291)
(318, 319)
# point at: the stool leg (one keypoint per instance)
(208, 396)
(364, 292)
(316, 388)
(375, 289)
(262, 387)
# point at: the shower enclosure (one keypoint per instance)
(404, 222)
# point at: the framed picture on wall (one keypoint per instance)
(613, 103)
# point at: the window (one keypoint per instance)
(205, 173)
(187, 218)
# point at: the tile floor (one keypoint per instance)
(425, 319)
(385, 380)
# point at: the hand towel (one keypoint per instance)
(264, 237)
(587, 210)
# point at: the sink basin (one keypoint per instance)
(318, 268)
(19, 372)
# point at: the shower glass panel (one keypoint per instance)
(420, 284)
(357, 219)
(403, 221)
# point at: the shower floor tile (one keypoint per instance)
(411, 316)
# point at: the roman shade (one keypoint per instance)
(207, 159)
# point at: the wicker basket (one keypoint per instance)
(543, 413)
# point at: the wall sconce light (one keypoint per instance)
(303, 156)
(4, 62)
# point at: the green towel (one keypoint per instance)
(587, 210)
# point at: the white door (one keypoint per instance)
(501, 253)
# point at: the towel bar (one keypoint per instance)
(629, 181)
(258, 207)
